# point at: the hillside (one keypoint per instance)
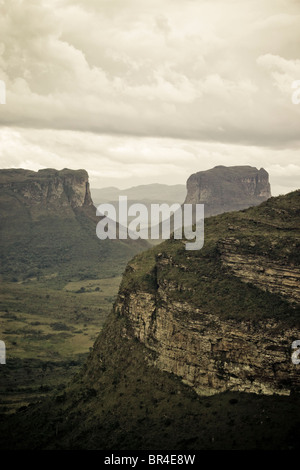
(48, 228)
(196, 353)
(58, 280)
(204, 312)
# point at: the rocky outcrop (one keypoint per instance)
(48, 227)
(210, 354)
(224, 318)
(225, 189)
(267, 274)
(48, 189)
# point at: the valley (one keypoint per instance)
(48, 333)
(121, 346)
(149, 229)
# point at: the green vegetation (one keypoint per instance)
(118, 401)
(46, 236)
(58, 280)
(48, 334)
(54, 250)
(200, 278)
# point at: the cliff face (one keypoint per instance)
(267, 274)
(47, 190)
(210, 354)
(48, 227)
(223, 318)
(225, 189)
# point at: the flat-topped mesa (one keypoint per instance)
(225, 189)
(48, 226)
(48, 187)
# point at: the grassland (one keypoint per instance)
(58, 281)
(48, 334)
(120, 402)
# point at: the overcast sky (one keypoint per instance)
(143, 91)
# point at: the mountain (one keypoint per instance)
(223, 317)
(143, 193)
(48, 228)
(224, 189)
(196, 353)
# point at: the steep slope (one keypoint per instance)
(193, 356)
(225, 189)
(224, 317)
(122, 402)
(48, 227)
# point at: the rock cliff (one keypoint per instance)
(225, 189)
(47, 190)
(211, 354)
(267, 274)
(48, 227)
(223, 318)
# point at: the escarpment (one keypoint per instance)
(269, 275)
(224, 317)
(212, 354)
(224, 189)
(47, 190)
(48, 228)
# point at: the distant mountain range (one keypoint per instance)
(48, 218)
(220, 189)
(143, 193)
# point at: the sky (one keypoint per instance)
(148, 91)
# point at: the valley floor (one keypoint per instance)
(48, 333)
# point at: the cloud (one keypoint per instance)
(283, 71)
(157, 69)
(126, 161)
(136, 90)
